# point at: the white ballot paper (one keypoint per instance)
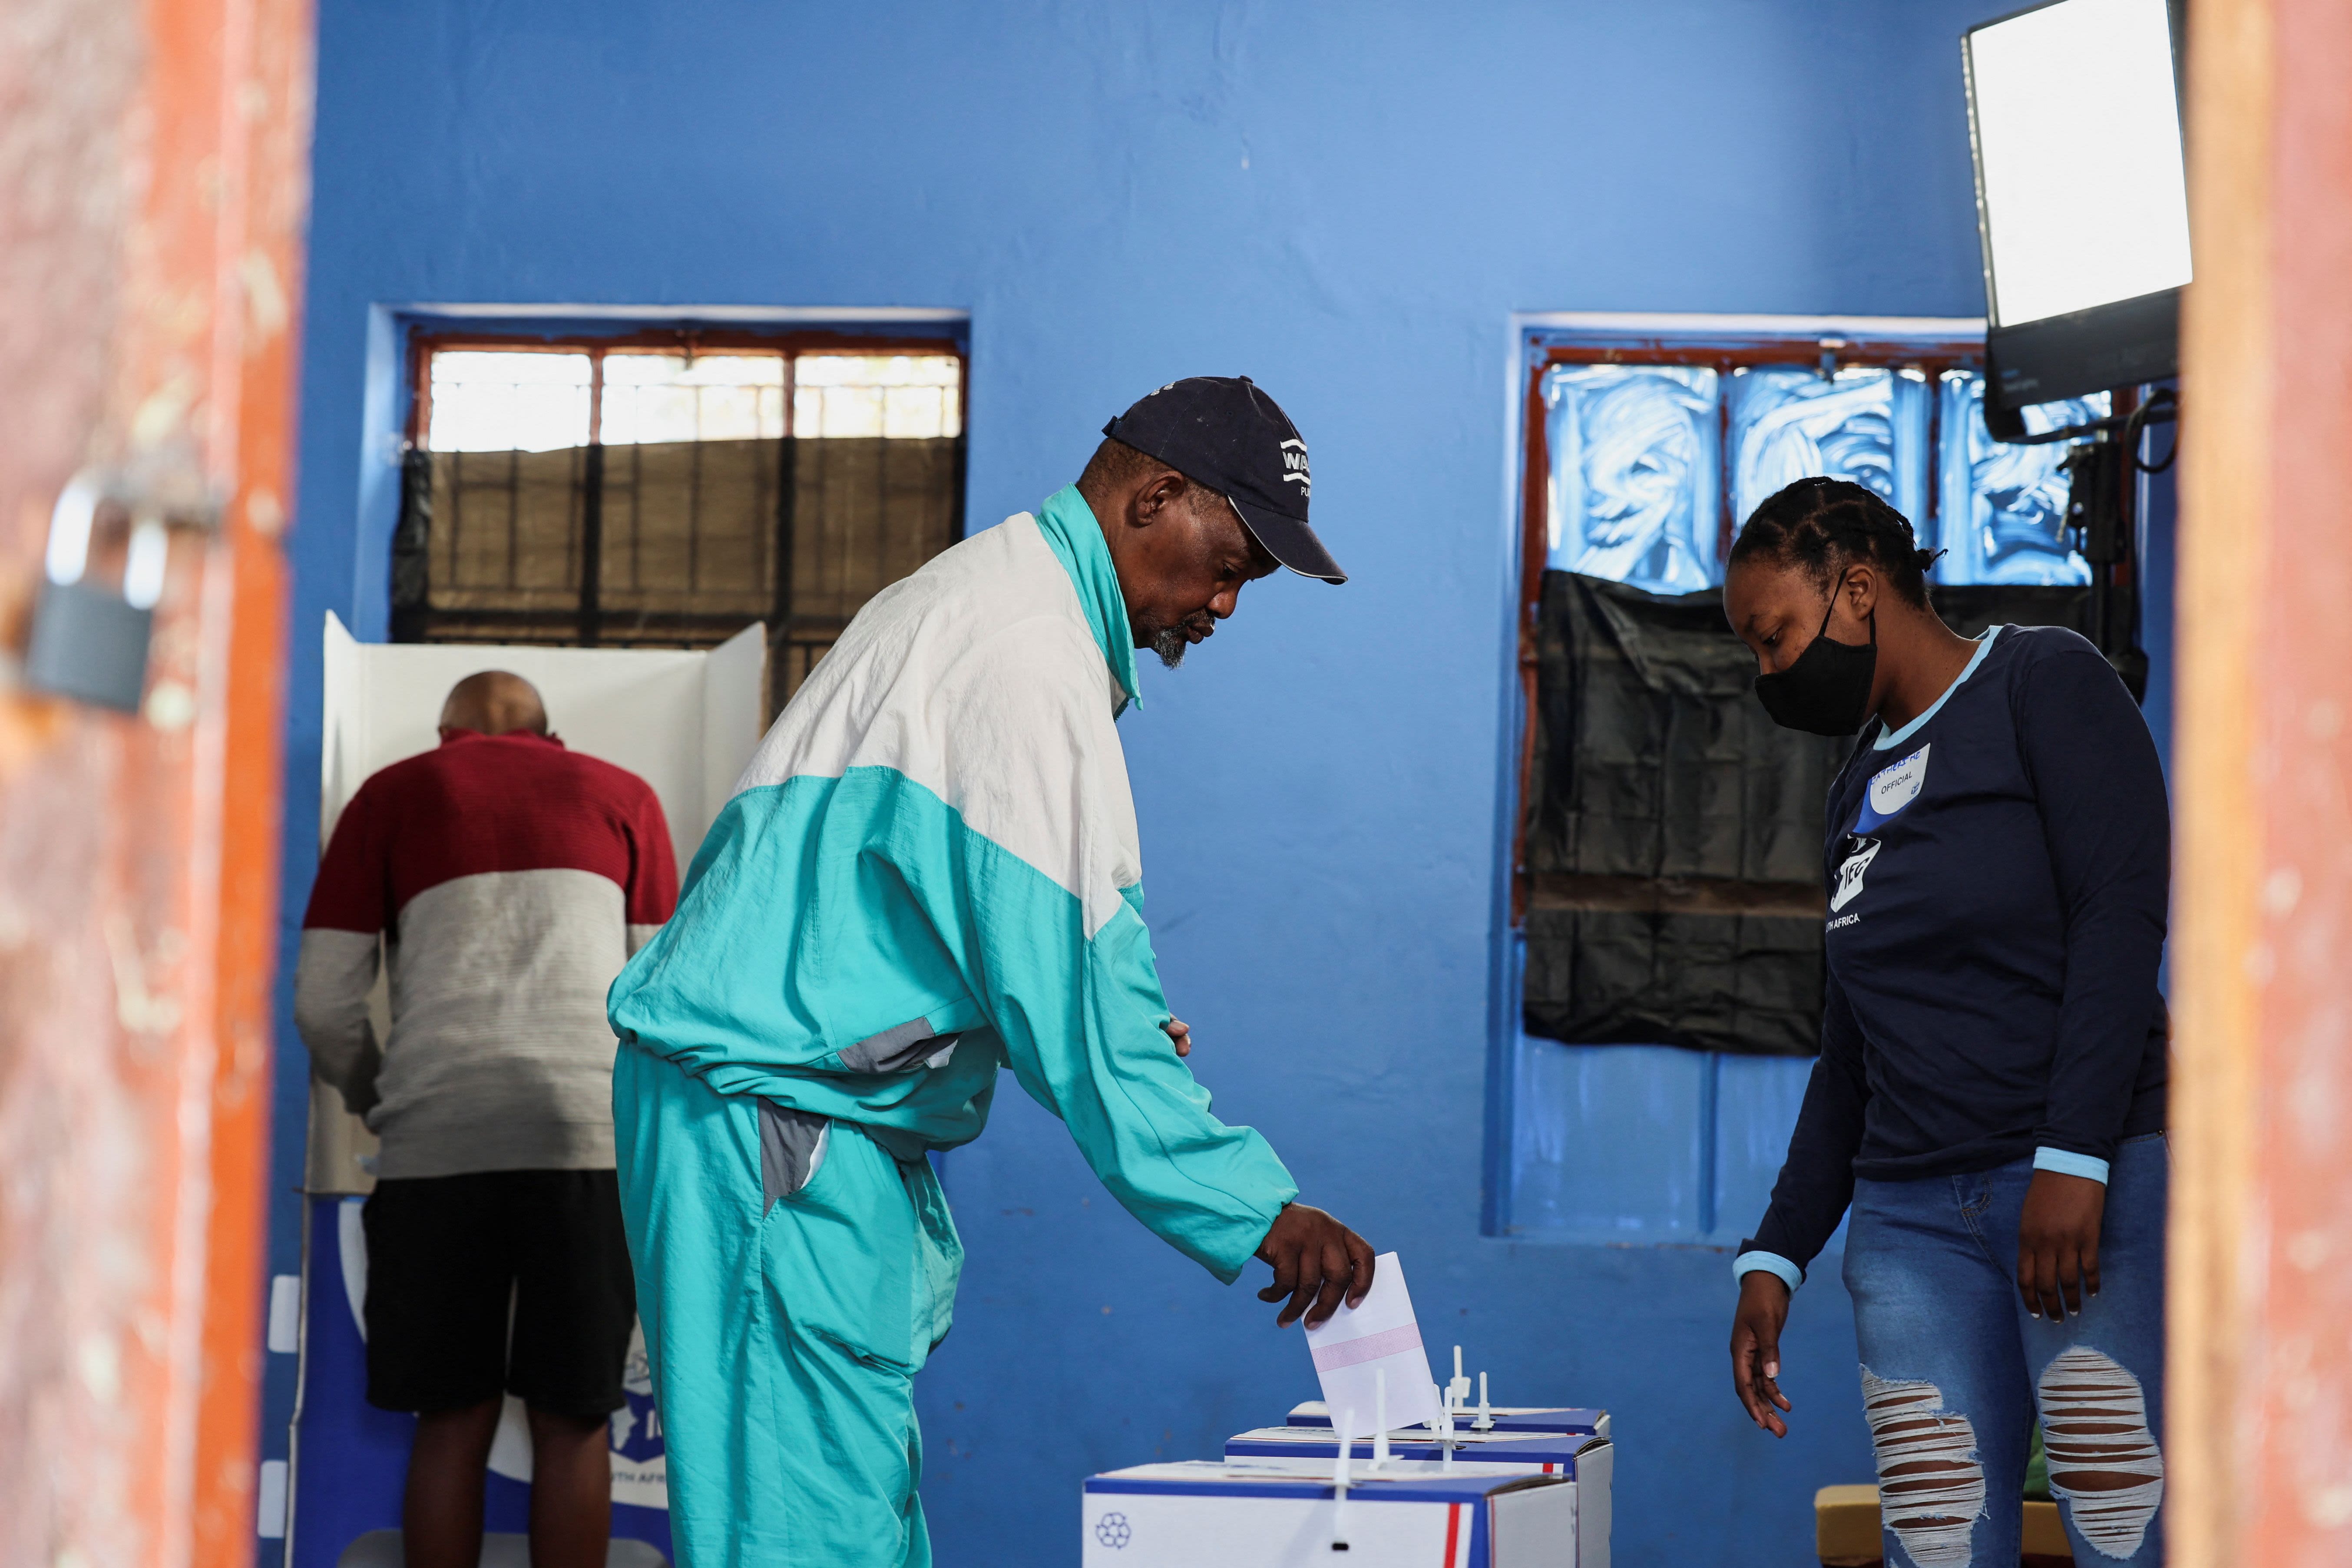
(1360, 1349)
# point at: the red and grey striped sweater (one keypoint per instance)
(508, 880)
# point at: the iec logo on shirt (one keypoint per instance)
(1891, 789)
(1860, 853)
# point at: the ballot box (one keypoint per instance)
(1507, 1418)
(1581, 1456)
(1410, 1515)
(685, 721)
(1585, 1459)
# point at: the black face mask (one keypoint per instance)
(1827, 690)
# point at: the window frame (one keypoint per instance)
(1726, 1178)
(422, 335)
(1724, 346)
(424, 343)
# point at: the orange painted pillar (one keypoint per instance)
(2260, 1421)
(152, 194)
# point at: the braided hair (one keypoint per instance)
(1825, 525)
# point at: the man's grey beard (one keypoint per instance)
(1170, 644)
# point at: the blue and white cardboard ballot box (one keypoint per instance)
(1407, 1515)
(1584, 1459)
(1508, 1419)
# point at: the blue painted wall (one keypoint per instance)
(1346, 202)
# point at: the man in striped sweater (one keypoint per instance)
(506, 880)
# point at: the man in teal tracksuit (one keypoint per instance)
(930, 872)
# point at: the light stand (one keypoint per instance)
(2098, 510)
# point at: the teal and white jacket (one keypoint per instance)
(931, 870)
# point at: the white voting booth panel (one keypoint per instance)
(686, 721)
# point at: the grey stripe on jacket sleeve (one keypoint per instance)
(332, 977)
(900, 1050)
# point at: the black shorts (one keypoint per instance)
(448, 1255)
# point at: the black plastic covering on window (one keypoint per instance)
(1674, 833)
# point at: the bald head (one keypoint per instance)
(494, 702)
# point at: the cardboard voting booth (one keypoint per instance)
(685, 722)
(1239, 1515)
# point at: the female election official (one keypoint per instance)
(1990, 1100)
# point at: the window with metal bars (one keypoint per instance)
(668, 488)
(1647, 452)
(1666, 864)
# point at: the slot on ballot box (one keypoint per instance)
(1580, 1455)
(1507, 1418)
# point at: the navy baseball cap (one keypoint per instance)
(1221, 431)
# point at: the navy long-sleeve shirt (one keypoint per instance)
(1998, 873)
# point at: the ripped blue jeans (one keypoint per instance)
(1955, 1371)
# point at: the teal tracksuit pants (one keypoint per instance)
(784, 1335)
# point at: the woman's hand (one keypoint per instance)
(2058, 1243)
(1756, 1348)
(1180, 1032)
